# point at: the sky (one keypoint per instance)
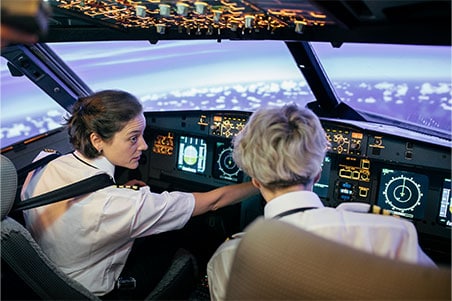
(397, 78)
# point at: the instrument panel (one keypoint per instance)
(405, 172)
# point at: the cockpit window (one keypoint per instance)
(401, 83)
(409, 83)
(191, 75)
(26, 111)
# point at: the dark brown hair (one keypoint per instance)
(105, 113)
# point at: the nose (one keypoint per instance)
(143, 145)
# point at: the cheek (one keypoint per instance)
(120, 154)
(126, 151)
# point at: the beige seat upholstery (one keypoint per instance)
(278, 261)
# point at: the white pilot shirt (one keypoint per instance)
(90, 237)
(386, 236)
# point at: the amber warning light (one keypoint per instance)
(164, 144)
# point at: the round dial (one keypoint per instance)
(190, 155)
(226, 164)
(402, 193)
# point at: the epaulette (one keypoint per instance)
(378, 210)
(51, 150)
(133, 187)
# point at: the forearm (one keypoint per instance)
(221, 197)
(234, 193)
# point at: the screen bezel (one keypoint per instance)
(397, 179)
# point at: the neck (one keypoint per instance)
(269, 195)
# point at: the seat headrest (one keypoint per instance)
(8, 182)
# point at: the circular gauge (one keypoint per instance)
(190, 155)
(402, 193)
(226, 164)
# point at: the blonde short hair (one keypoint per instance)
(281, 147)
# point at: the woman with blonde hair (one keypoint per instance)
(282, 150)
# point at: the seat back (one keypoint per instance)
(278, 261)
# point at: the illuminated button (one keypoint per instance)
(345, 173)
(363, 192)
(365, 164)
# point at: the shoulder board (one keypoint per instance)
(133, 187)
(378, 210)
(51, 150)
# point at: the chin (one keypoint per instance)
(132, 165)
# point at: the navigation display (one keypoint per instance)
(403, 193)
(191, 155)
(225, 167)
(445, 208)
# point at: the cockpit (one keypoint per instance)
(377, 73)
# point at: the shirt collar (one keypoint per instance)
(291, 200)
(100, 163)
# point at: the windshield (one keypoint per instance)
(191, 75)
(400, 82)
(408, 83)
(26, 111)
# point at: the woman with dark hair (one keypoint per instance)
(90, 237)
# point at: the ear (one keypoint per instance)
(317, 177)
(96, 141)
(256, 183)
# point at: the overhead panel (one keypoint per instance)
(201, 18)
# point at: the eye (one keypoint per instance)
(134, 139)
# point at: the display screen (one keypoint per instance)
(225, 167)
(403, 193)
(192, 154)
(445, 208)
(321, 187)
